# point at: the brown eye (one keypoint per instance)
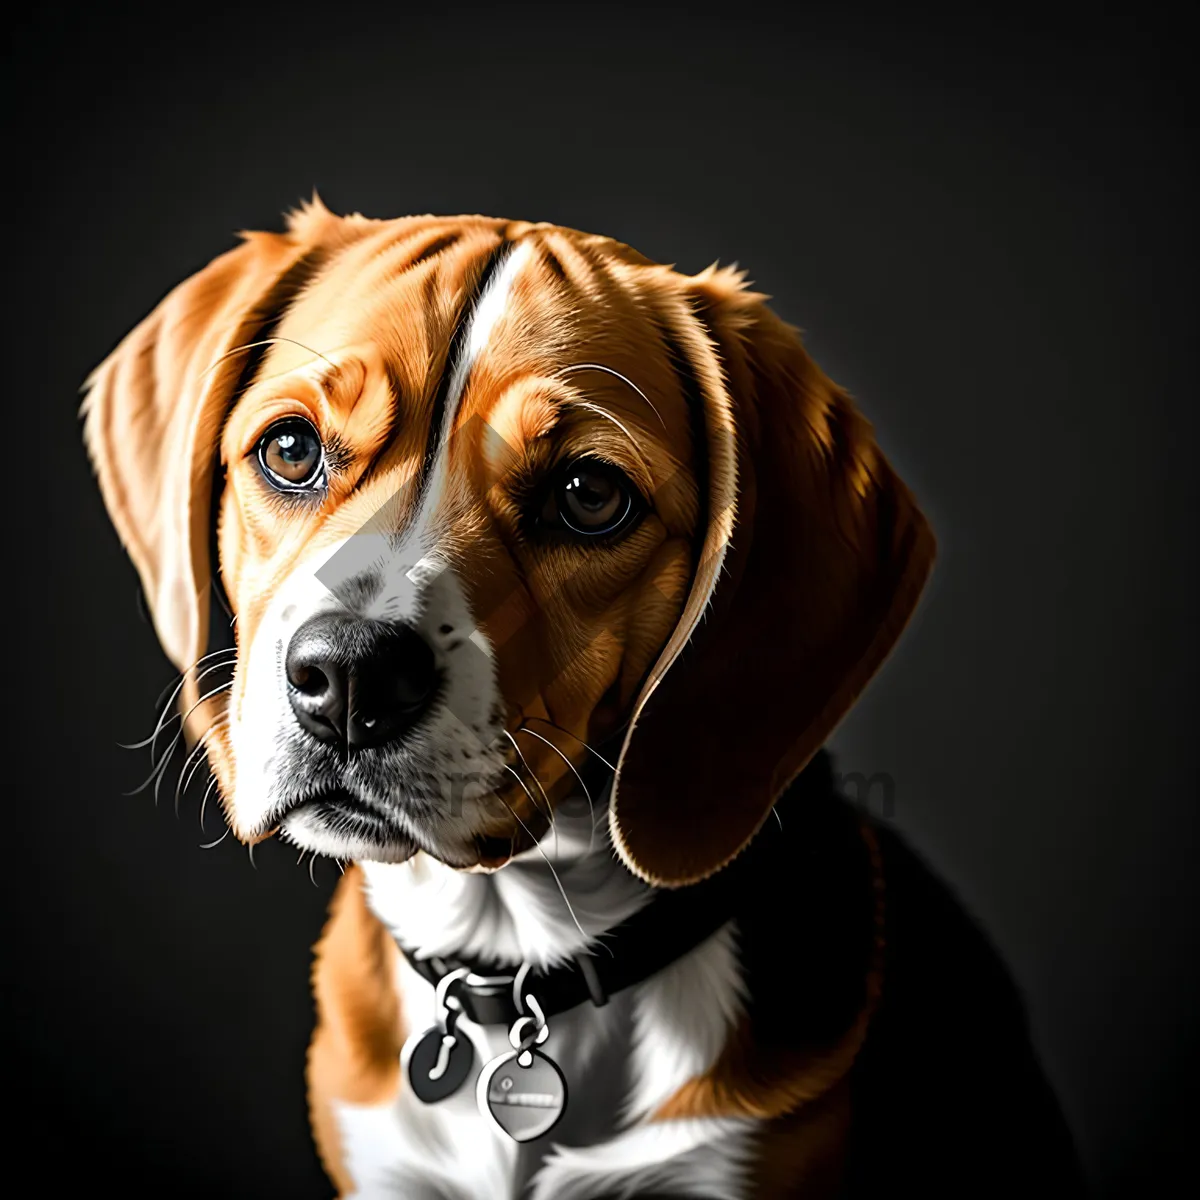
(591, 498)
(291, 456)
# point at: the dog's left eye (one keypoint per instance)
(291, 455)
(592, 498)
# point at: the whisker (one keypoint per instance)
(591, 807)
(527, 792)
(164, 724)
(159, 768)
(312, 862)
(180, 786)
(199, 749)
(174, 690)
(624, 379)
(204, 801)
(777, 816)
(213, 845)
(536, 780)
(228, 650)
(562, 890)
(224, 687)
(250, 850)
(603, 412)
(262, 342)
(573, 737)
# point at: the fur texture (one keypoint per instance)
(461, 376)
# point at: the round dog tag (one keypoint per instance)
(524, 1092)
(439, 1065)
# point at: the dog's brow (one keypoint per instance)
(329, 378)
(589, 406)
(270, 341)
(590, 366)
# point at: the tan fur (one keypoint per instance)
(548, 611)
(827, 557)
(355, 1051)
(780, 549)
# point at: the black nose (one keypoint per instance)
(357, 682)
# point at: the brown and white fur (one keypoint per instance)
(716, 645)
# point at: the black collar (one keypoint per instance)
(671, 924)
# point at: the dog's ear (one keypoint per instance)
(153, 414)
(814, 557)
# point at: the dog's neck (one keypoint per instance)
(543, 907)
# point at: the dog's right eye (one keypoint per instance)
(291, 456)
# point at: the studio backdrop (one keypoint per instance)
(984, 230)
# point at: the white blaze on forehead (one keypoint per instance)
(403, 580)
(484, 319)
(482, 324)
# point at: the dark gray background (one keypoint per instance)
(981, 224)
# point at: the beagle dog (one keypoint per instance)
(551, 571)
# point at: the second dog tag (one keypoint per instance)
(523, 1092)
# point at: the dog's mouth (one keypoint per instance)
(339, 824)
(340, 805)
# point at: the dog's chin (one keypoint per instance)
(338, 825)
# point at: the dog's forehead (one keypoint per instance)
(409, 288)
(401, 288)
(510, 302)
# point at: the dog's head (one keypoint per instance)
(490, 493)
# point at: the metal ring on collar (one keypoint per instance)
(441, 994)
(488, 981)
(539, 1014)
(519, 1041)
(519, 986)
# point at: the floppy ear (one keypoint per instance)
(814, 557)
(153, 414)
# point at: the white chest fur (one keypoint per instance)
(621, 1061)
